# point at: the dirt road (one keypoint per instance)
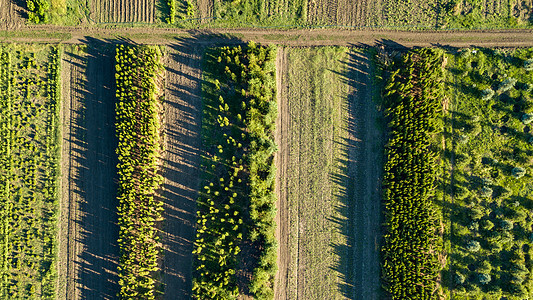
(88, 203)
(296, 37)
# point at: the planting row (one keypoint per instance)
(412, 242)
(138, 82)
(29, 153)
(236, 207)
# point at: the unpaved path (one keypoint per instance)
(296, 37)
(11, 15)
(88, 262)
(365, 154)
(281, 161)
(181, 162)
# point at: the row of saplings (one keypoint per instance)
(236, 208)
(138, 72)
(411, 239)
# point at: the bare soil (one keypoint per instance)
(281, 161)
(88, 218)
(11, 14)
(122, 11)
(181, 162)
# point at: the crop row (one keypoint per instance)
(29, 101)
(138, 75)
(235, 225)
(412, 242)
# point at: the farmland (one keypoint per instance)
(30, 99)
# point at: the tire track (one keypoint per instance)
(281, 161)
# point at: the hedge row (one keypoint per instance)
(138, 72)
(412, 242)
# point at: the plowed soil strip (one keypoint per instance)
(89, 171)
(181, 162)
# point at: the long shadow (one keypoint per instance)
(181, 165)
(93, 130)
(360, 196)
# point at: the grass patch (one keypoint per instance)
(316, 195)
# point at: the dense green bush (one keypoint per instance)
(518, 172)
(411, 242)
(506, 85)
(473, 246)
(38, 11)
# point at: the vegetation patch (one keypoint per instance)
(236, 209)
(29, 156)
(412, 241)
(491, 217)
(138, 82)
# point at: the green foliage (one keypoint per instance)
(502, 144)
(411, 240)
(473, 246)
(527, 118)
(518, 172)
(138, 72)
(29, 158)
(241, 185)
(528, 64)
(506, 85)
(487, 94)
(38, 11)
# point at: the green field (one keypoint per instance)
(29, 95)
(314, 145)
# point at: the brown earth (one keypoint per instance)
(181, 161)
(297, 37)
(122, 11)
(88, 262)
(11, 14)
(281, 160)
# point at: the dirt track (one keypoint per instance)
(296, 37)
(88, 204)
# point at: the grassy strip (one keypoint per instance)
(491, 212)
(411, 241)
(138, 71)
(236, 208)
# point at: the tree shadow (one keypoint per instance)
(359, 174)
(92, 176)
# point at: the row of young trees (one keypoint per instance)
(413, 100)
(29, 159)
(38, 11)
(236, 209)
(138, 79)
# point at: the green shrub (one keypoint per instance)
(528, 64)
(506, 225)
(473, 246)
(527, 118)
(487, 94)
(483, 278)
(486, 192)
(518, 172)
(506, 85)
